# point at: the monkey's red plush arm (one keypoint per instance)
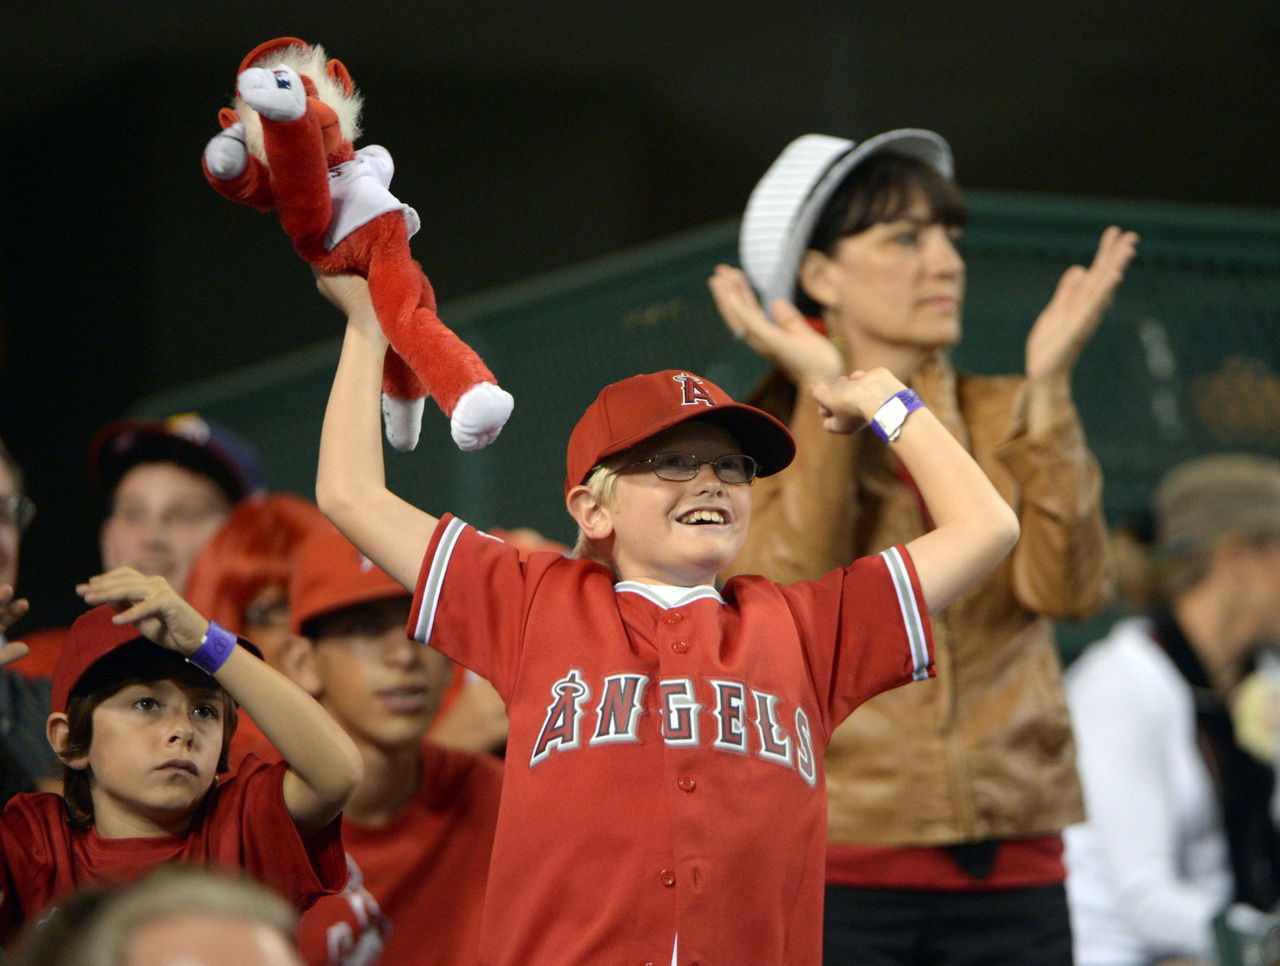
(300, 181)
(252, 187)
(232, 170)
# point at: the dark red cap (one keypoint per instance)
(330, 574)
(629, 412)
(90, 639)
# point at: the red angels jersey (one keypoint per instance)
(664, 761)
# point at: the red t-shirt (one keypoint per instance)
(242, 823)
(45, 646)
(664, 762)
(417, 884)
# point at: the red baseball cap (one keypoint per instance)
(91, 638)
(330, 574)
(629, 412)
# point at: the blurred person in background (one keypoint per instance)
(174, 916)
(27, 763)
(169, 485)
(1180, 813)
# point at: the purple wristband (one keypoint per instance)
(215, 647)
(889, 418)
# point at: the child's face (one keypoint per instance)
(382, 687)
(679, 533)
(153, 755)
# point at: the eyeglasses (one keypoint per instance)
(17, 511)
(682, 467)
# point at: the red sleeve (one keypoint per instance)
(250, 826)
(471, 599)
(35, 860)
(866, 629)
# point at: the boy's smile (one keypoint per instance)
(680, 533)
(153, 755)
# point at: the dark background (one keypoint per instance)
(531, 137)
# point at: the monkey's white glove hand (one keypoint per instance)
(226, 155)
(276, 94)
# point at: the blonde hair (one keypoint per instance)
(602, 484)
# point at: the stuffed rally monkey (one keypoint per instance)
(287, 145)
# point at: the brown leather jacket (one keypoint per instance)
(984, 750)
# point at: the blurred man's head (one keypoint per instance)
(16, 512)
(174, 916)
(170, 485)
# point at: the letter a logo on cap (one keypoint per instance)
(694, 394)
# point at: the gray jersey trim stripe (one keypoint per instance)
(695, 593)
(912, 619)
(435, 578)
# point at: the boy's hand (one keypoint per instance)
(851, 401)
(349, 294)
(151, 605)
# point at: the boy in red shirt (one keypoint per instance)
(143, 711)
(663, 798)
(419, 827)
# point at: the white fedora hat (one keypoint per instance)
(786, 202)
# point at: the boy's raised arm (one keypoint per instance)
(974, 528)
(351, 486)
(324, 763)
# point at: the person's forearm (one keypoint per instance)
(313, 745)
(972, 521)
(350, 462)
(1061, 565)
(351, 486)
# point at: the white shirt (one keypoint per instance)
(1150, 868)
(359, 191)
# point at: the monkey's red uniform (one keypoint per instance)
(664, 782)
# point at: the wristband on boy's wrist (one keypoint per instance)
(888, 420)
(215, 647)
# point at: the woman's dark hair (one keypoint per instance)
(881, 188)
(138, 662)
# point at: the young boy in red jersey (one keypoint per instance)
(419, 828)
(143, 711)
(663, 797)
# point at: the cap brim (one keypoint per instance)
(913, 142)
(761, 436)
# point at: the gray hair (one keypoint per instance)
(1201, 501)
